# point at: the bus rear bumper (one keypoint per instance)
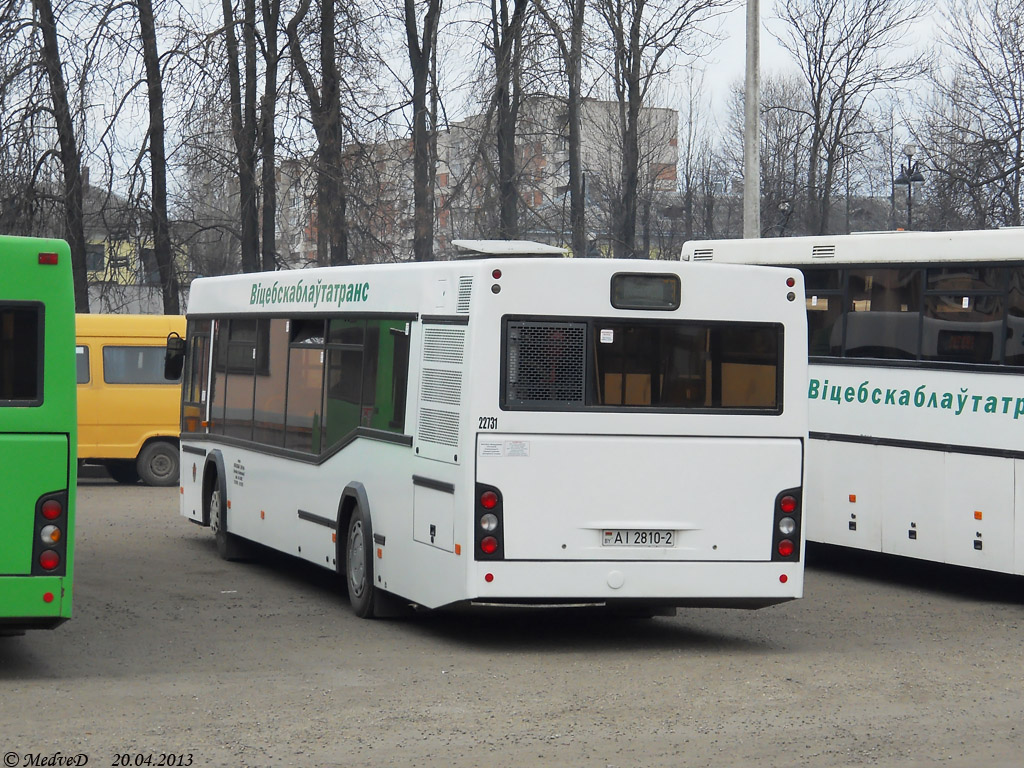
(723, 584)
(33, 602)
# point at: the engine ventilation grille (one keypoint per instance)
(440, 392)
(441, 386)
(439, 427)
(444, 345)
(823, 252)
(465, 294)
(703, 254)
(545, 363)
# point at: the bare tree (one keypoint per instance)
(158, 158)
(974, 132)
(420, 48)
(505, 38)
(565, 23)
(26, 130)
(695, 148)
(785, 130)
(242, 84)
(846, 51)
(325, 113)
(70, 154)
(271, 12)
(644, 34)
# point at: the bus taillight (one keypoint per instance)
(49, 560)
(786, 533)
(488, 528)
(51, 527)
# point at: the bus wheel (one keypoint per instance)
(158, 464)
(359, 564)
(229, 546)
(123, 472)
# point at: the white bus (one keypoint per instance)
(505, 430)
(916, 389)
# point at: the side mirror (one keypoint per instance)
(174, 357)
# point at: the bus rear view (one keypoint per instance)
(647, 444)
(37, 433)
(506, 430)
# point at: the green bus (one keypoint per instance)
(38, 433)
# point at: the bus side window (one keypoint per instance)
(399, 336)
(216, 396)
(305, 386)
(883, 313)
(345, 394)
(367, 374)
(20, 346)
(963, 314)
(268, 415)
(824, 289)
(82, 364)
(1014, 352)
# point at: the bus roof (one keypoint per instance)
(869, 248)
(129, 325)
(429, 288)
(470, 249)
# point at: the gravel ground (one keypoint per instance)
(179, 656)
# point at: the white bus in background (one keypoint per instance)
(916, 389)
(506, 430)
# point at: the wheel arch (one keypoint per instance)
(213, 472)
(159, 438)
(352, 498)
(153, 437)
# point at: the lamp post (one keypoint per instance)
(785, 211)
(910, 174)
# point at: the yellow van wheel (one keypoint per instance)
(158, 463)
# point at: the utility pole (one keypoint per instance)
(751, 125)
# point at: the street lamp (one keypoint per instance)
(785, 211)
(910, 174)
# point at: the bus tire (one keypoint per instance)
(359, 564)
(158, 463)
(229, 546)
(122, 471)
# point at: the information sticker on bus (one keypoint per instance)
(638, 538)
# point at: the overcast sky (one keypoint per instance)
(728, 61)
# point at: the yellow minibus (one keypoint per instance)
(127, 411)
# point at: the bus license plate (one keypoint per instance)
(644, 538)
